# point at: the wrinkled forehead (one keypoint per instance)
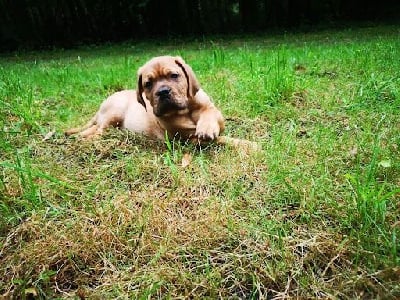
(159, 67)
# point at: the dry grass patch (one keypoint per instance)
(140, 230)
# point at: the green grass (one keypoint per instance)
(314, 214)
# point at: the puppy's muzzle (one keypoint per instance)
(166, 103)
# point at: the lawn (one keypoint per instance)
(315, 213)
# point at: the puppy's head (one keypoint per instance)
(168, 83)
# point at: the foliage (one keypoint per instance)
(25, 23)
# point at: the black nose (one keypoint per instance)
(163, 91)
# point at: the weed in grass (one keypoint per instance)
(218, 56)
(376, 94)
(170, 157)
(22, 181)
(370, 215)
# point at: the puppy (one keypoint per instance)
(168, 100)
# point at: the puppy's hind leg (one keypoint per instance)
(102, 122)
(239, 144)
(92, 123)
(92, 131)
(111, 113)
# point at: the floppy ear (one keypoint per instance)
(193, 83)
(140, 91)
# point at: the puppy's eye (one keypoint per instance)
(148, 84)
(174, 75)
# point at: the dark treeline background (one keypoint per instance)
(38, 23)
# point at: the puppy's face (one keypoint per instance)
(168, 83)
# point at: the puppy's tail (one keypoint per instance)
(89, 124)
(240, 144)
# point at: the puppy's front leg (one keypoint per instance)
(209, 120)
(210, 123)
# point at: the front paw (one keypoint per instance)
(207, 130)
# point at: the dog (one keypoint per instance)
(168, 102)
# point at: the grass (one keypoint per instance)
(314, 214)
